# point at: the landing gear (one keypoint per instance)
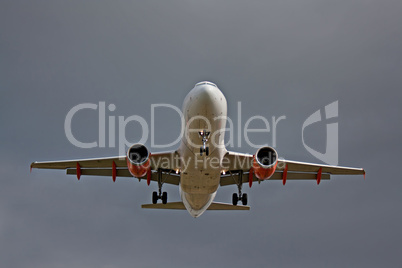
(204, 148)
(155, 197)
(235, 199)
(239, 197)
(164, 198)
(159, 195)
(244, 199)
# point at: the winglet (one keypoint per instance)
(30, 167)
(364, 174)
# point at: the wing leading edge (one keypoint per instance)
(116, 167)
(237, 163)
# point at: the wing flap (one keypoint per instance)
(100, 172)
(167, 177)
(234, 178)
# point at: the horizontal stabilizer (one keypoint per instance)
(180, 205)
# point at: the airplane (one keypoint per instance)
(201, 163)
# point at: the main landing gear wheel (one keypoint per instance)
(235, 199)
(155, 197)
(244, 199)
(159, 195)
(164, 198)
(239, 197)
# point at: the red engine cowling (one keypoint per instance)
(138, 160)
(264, 163)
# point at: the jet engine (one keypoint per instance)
(138, 160)
(264, 163)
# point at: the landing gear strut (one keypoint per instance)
(159, 195)
(239, 197)
(204, 148)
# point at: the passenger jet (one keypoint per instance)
(201, 163)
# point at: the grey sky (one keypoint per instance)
(276, 57)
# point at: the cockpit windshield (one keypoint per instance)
(205, 82)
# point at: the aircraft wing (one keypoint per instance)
(116, 167)
(236, 163)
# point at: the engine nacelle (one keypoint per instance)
(264, 163)
(138, 160)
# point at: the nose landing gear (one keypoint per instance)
(204, 148)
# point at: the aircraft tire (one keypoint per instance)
(244, 199)
(154, 197)
(235, 199)
(164, 198)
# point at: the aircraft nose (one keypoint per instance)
(205, 95)
(206, 91)
(206, 83)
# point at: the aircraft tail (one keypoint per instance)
(180, 206)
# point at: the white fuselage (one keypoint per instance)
(204, 109)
